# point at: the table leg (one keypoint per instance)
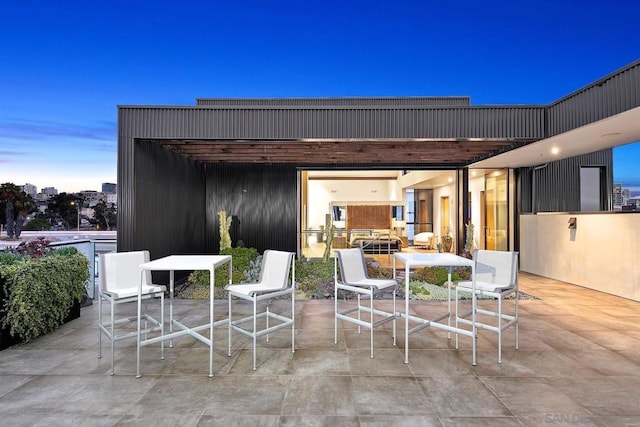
(171, 285)
(449, 301)
(406, 313)
(142, 273)
(212, 286)
(474, 305)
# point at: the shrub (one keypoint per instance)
(315, 277)
(37, 224)
(377, 272)
(40, 291)
(65, 251)
(8, 257)
(418, 289)
(243, 267)
(439, 275)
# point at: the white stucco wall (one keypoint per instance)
(602, 253)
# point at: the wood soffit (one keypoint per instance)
(454, 152)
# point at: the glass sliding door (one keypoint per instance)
(496, 224)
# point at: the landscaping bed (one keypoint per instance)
(315, 279)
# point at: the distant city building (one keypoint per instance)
(108, 187)
(50, 191)
(91, 197)
(46, 194)
(111, 198)
(617, 196)
(622, 199)
(635, 203)
(29, 189)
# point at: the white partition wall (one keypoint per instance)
(601, 253)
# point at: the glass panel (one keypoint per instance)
(589, 189)
(496, 225)
(339, 213)
(397, 212)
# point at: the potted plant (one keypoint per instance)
(40, 289)
(447, 241)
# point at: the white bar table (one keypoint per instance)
(412, 259)
(174, 263)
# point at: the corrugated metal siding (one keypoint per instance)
(524, 184)
(260, 198)
(422, 101)
(618, 92)
(165, 206)
(557, 185)
(295, 123)
(126, 175)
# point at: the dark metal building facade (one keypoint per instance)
(168, 200)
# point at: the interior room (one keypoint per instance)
(384, 211)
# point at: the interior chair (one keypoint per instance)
(350, 275)
(277, 278)
(119, 280)
(496, 277)
(424, 239)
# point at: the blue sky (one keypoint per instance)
(66, 65)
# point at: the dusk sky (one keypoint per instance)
(66, 65)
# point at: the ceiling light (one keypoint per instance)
(555, 150)
(610, 134)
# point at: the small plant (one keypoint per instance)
(252, 273)
(246, 267)
(8, 257)
(439, 275)
(447, 241)
(418, 290)
(376, 272)
(315, 278)
(330, 231)
(468, 242)
(66, 251)
(225, 223)
(34, 248)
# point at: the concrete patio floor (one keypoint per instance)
(578, 364)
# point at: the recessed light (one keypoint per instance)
(555, 150)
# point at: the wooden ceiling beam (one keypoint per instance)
(382, 151)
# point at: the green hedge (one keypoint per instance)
(40, 291)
